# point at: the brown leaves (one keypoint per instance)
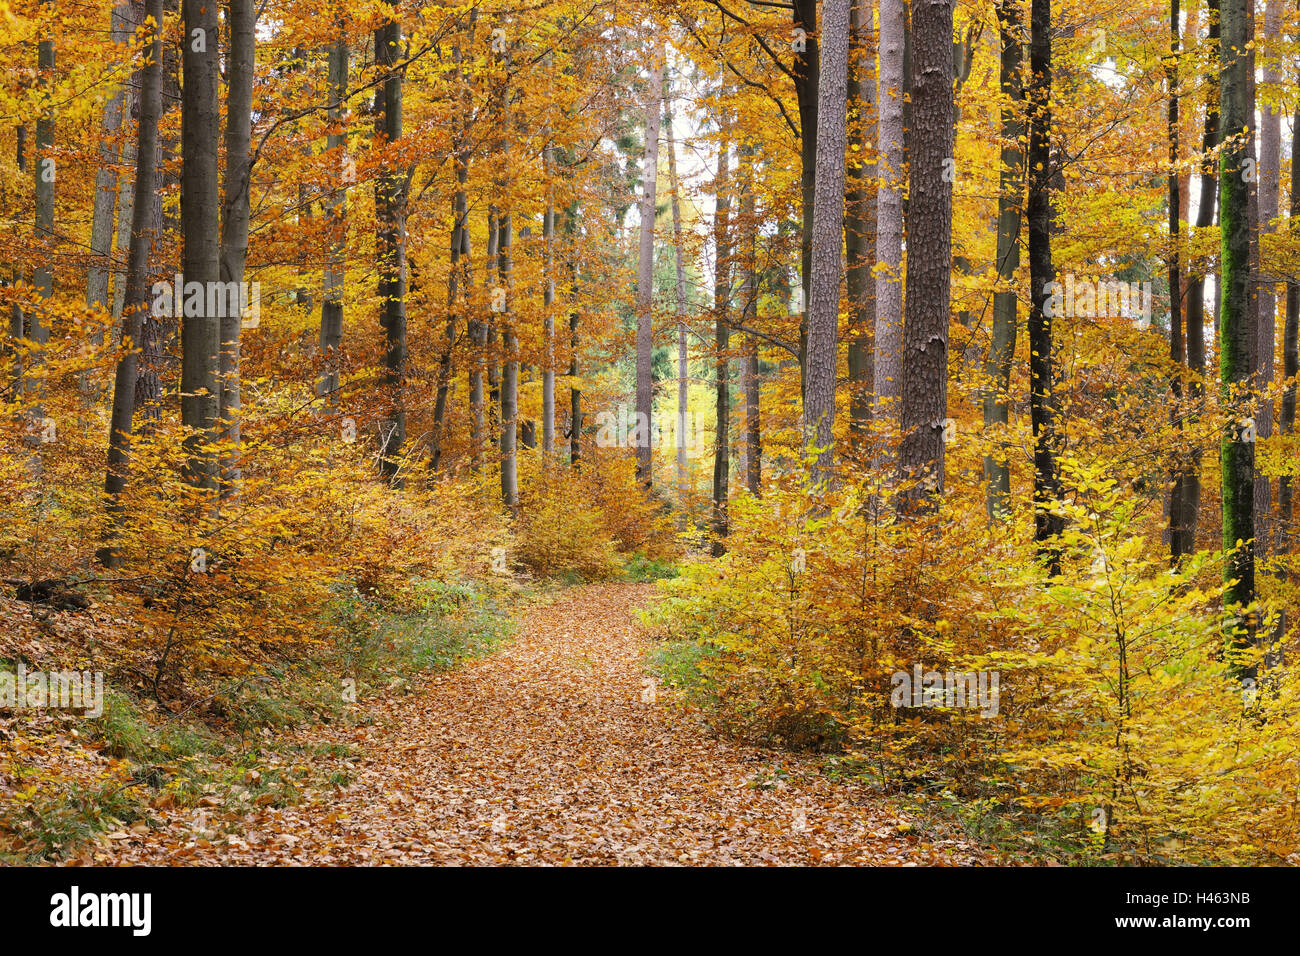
(546, 754)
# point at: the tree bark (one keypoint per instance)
(1011, 187)
(924, 406)
(1048, 524)
(645, 270)
(721, 337)
(200, 214)
(807, 77)
(242, 15)
(860, 225)
(1188, 487)
(828, 231)
(390, 209)
(336, 212)
(889, 210)
(680, 267)
(1237, 452)
(136, 296)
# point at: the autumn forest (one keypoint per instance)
(658, 432)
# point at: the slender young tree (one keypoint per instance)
(924, 406)
(828, 232)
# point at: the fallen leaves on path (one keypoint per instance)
(549, 751)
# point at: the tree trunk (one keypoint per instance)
(721, 336)
(548, 315)
(1011, 186)
(143, 229)
(860, 225)
(807, 73)
(753, 445)
(680, 266)
(575, 387)
(459, 274)
(1237, 452)
(106, 187)
(889, 210)
(828, 231)
(1267, 195)
(1177, 349)
(1048, 525)
(200, 214)
(1188, 487)
(924, 407)
(242, 15)
(336, 212)
(645, 271)
(1290, 361)
(390, 210)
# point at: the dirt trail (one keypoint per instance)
(545, 753)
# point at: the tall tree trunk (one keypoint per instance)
(1011, 187)
(721, 337)
(575, 386)
(1177, 349)
(45, 168)
(807, 74)
(645, 270)
(1237, 452)
(390, 207)
(1290, 361)
(242, 15)
(509, 374)
(929, 258)
(889, 210)
(200, 213)
(1048, 525)
(1267, 193)
(106, 186)
(459, 274)
(752, 463)
(143, 229)
(860, 224)
(1188, 486)
(680, 267)
(828, 231)
(548, 314)
(336, 213)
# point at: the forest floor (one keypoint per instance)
(548, 751)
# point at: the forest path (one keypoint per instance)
(544, 753)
